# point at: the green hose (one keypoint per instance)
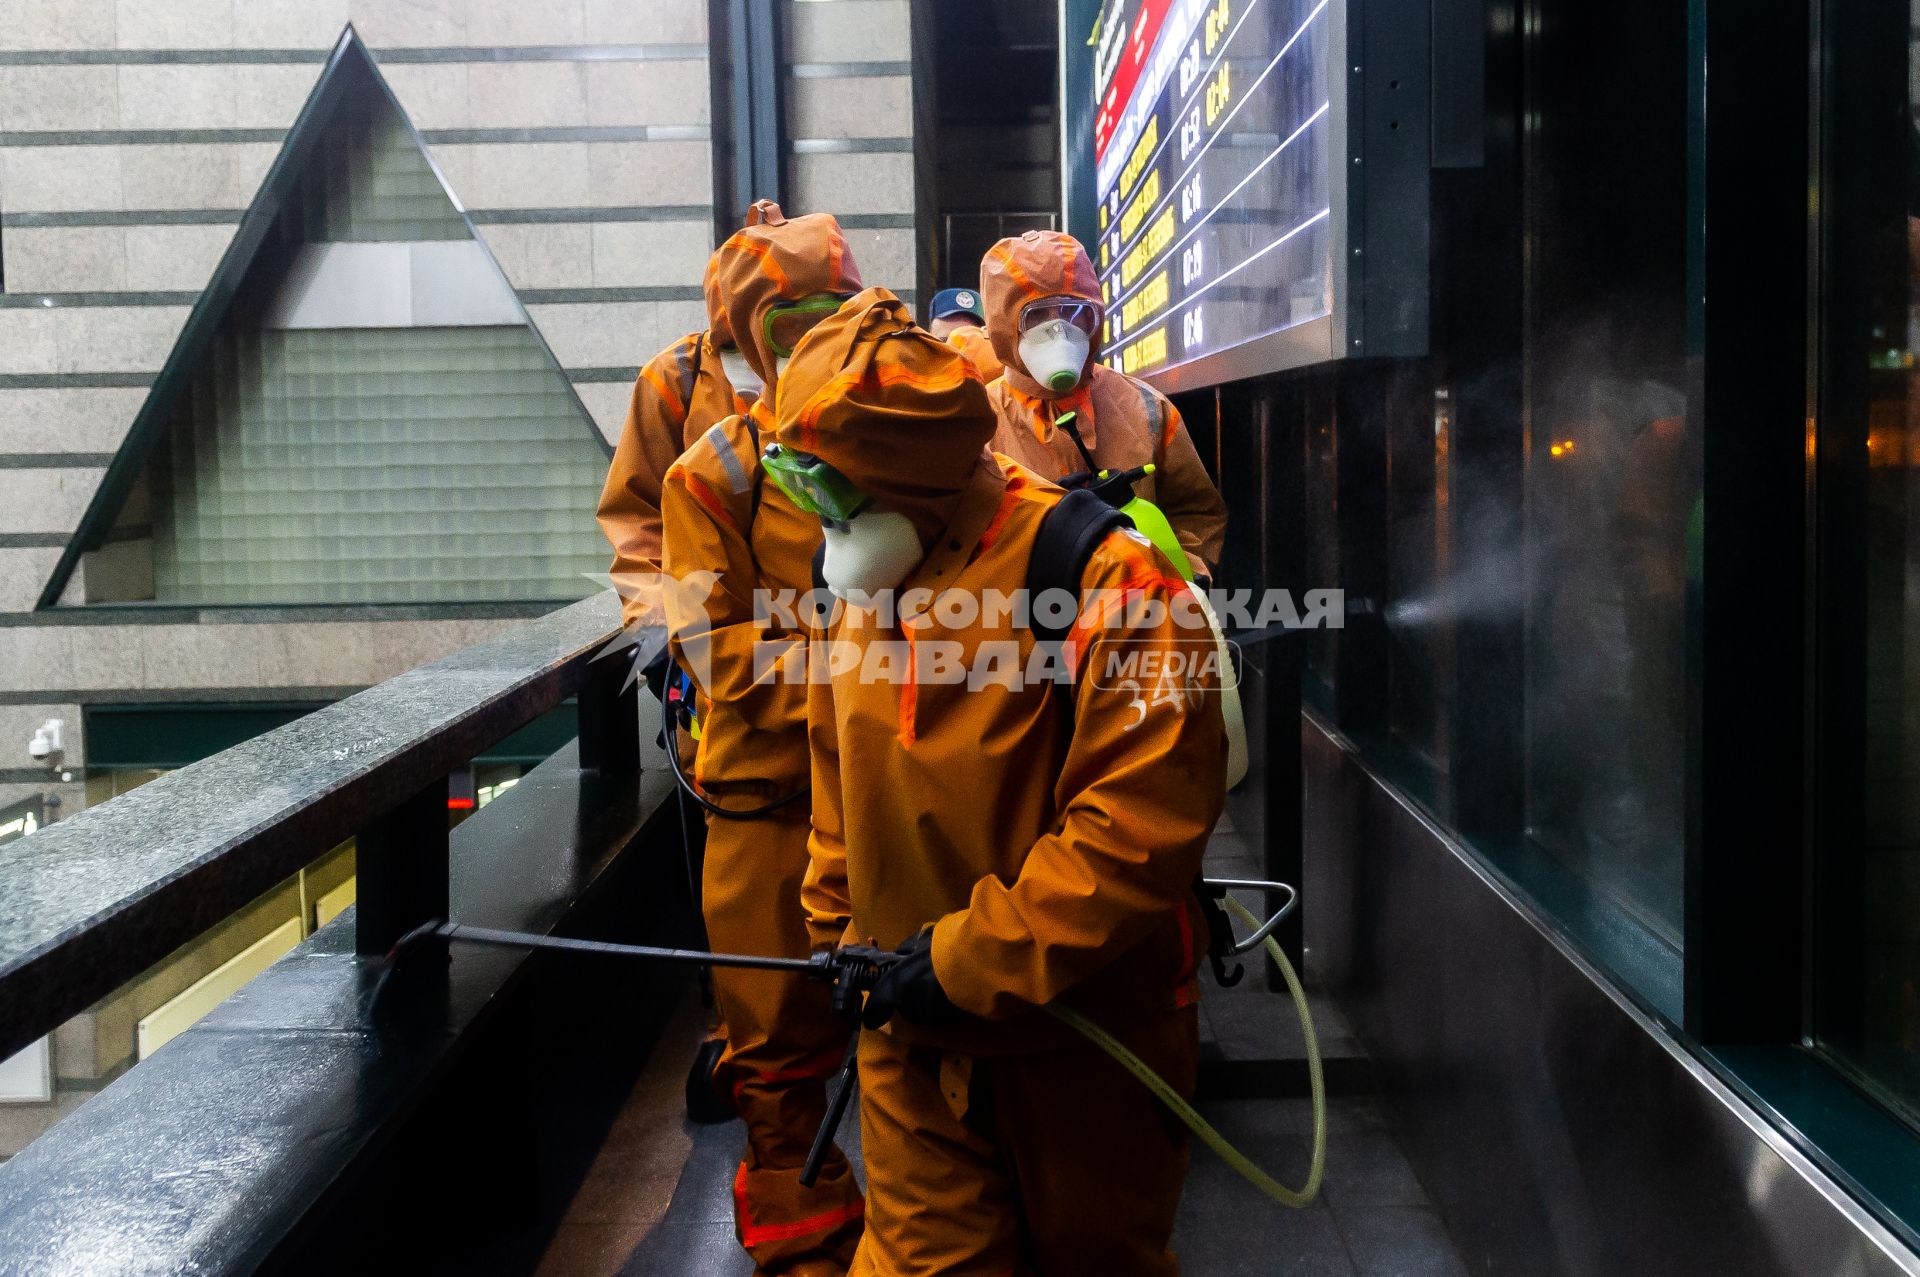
(1199, 1125)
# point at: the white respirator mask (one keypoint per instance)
(740, 373)
(1055, 354)
(873, 552)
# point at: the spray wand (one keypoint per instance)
(850, 969)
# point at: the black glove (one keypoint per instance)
(910, 988)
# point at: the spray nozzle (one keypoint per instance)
(1116, 487)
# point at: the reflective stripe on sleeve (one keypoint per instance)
(729, 460)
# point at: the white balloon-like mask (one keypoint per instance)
(872, 553)
(1055, 354)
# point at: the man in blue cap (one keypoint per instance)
(958, 320)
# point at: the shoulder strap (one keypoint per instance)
(1068, 536)
(686, 364)
(759, 471)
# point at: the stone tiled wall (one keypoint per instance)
(133, 133)
(850, 124)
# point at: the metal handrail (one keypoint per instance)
(95, 899)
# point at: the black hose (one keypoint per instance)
(726, 813)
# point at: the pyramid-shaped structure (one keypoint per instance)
(359, 409)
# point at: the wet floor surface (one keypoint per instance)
(1372, 1218)
(658, 1200)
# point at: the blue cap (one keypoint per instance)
(957, 301)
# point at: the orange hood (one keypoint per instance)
(1014, 274)
(903, 415)
(719, 331)
(774, 259)
(977, 346)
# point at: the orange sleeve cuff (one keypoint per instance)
(962, 982)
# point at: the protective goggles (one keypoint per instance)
(813, 485)
(1083, 315)
(786, 324)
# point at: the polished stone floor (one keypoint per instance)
(1372, 1219)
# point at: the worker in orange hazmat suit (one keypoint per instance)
(956, 318)
(698, 380)
(1021, 840)
(978, 348)
(776, 278)
(1044, 316)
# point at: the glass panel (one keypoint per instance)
(367, 181)
(378, 467)
(1867, 1014)
(390, 465)
(1610, 499)
(1422, 596)
(1319, 488)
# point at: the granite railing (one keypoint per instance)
(209, 1155)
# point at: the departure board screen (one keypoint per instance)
(1212, 132)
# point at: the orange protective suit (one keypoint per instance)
(783, 1040)
(1051, 831)
(1123, 421)
(978, 348)
(680, 392)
